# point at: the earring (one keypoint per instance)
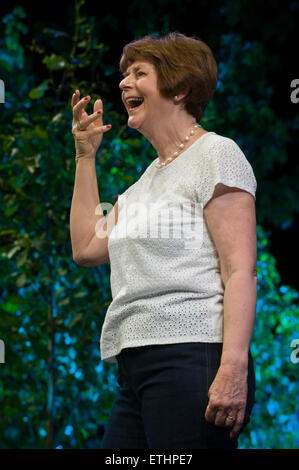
(176, 97)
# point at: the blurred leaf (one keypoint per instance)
(39, 91)
(75, 319)
(55, 62)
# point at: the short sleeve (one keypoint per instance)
(224, 162)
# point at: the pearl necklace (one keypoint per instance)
(181, 146)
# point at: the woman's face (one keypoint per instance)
(141, 96)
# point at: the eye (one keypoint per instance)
(140, 73)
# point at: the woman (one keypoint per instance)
(182, 315)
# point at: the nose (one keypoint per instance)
(124, 84)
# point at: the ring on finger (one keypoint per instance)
(230, 418)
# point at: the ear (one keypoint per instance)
(180, 96)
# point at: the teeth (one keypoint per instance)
(135, 99)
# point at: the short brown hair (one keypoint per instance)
(182, 63)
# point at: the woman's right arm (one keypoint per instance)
(88, 248)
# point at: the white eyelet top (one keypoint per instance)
(165, 273)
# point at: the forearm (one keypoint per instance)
(240, 298)
(84, 202)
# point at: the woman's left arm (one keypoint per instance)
(230, 218)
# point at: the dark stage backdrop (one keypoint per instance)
(54, 390)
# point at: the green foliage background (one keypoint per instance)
(54, 390)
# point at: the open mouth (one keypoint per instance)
(134, 103)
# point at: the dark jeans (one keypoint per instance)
(163, 396)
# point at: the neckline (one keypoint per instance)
(154, 163)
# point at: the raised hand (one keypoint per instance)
(87, 130)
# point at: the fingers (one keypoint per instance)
(223, 418)
(98, 106)
(220, 416)
(75, 98)
(98, 130)
(238, 423)
(78, 107)
(216, 414)
(210, 413)
(95, 117)
(80, 114)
